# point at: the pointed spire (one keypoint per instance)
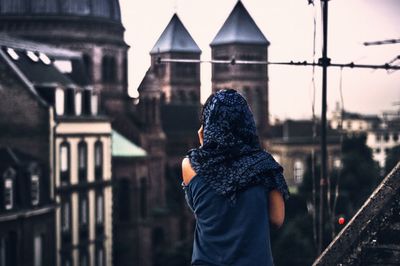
(239, 28)
(175, 38)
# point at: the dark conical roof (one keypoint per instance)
(239, 28)
(106, 9)
(175, 38)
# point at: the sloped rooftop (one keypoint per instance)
(122, 147)
(239, 28)
(175, 38)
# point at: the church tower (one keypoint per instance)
(180, 82)
(241, 39)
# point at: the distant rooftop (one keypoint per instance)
(122, 147)
(175, 38)
(239, 28)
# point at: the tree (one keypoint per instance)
(356, 179)
(392, 159)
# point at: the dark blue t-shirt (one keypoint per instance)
(226, 233)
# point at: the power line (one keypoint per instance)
(233, 61)
(390, 41)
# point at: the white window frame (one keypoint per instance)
(38, 250)
(94, 103)
(65, 222)
(60, 101)
(64, 160)
(298, 171)
(35, 182)
(78, 103)
(84, 209)
(100, 209)
(8, 186)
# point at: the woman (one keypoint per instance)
(234, 187)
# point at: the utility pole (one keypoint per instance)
(325, 62)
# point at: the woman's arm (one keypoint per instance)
(276, 208)
(187, 171)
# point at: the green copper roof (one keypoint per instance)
(122, 147)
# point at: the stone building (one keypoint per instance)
(372, 236)
(292, 144)
(241, 39)
(49, 110)
(27, 210)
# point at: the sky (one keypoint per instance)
(288, 25)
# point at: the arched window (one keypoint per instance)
(298, 171)
(98, 160)
(8, 183)
(64, 162)
(87, 60)
(35, 184)
(82, 161)
(65, 215)
(83, 216)
(78, 103)
(94, 103)
(99, 255)
(99, 208)
(59, 101)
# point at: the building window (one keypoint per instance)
(35, 189)
(66, 261)
(38, 250)
(298, 172)
(8, 179)
(377, 150)
(94, 106)
(59, 102)
(108, 69)
(378, 137)
(64, 163)
(83, 210)
(98, 160)
(386, 137)
(66, 216)
(99, 208)
(88, 65)
(337, 163)
(395, 137)
(78, 103)
(143, 197)
(8, 249)
(100, 256)
(82, 161)
(124, 199)
(84, 259)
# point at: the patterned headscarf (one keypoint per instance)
(231, 158)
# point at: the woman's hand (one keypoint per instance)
(276, 208)
(200, 134)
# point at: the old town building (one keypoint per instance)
(27, 210)
(50, 111)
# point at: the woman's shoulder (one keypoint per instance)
(187, 171)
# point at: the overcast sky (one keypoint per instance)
(288, 25)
